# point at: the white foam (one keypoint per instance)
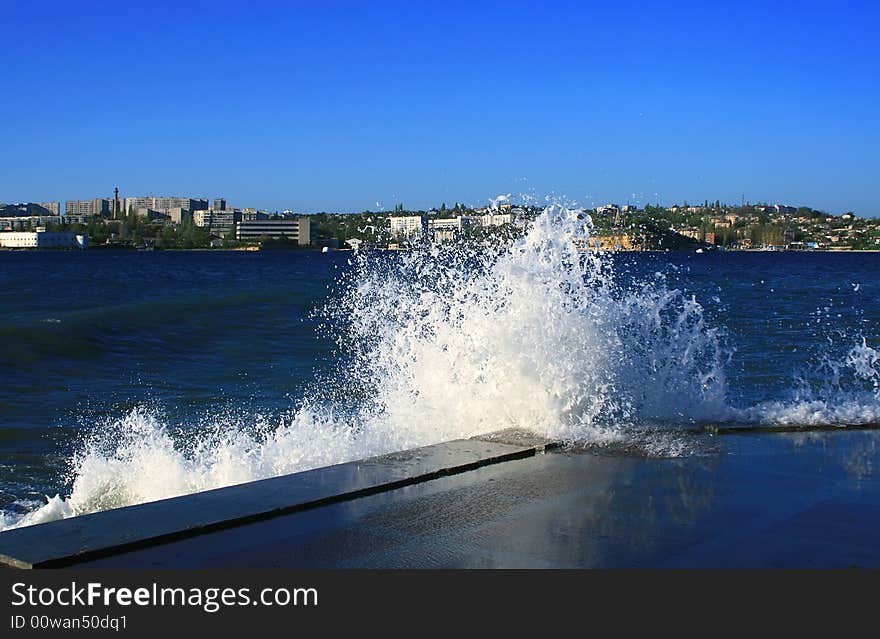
(848, 394)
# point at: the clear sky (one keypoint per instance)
(345, 106)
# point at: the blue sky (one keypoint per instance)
(342, 105)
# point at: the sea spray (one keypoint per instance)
(839, 390)
(535, 334)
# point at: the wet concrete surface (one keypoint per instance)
(74, 540)
(750, 500)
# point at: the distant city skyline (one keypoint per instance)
(351, 106)
(523, 199)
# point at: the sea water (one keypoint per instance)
(128, 377)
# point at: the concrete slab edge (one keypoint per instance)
(12, 560)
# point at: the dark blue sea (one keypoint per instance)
(190, 340)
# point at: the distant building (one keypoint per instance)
(498, 219)
(86, 208)
(448, 229)
(73, 219)
(223, 221)
(179, 215)
(202, 218)
(53, 207)
(24, 223)
(410, 226)
(42, 239)
(165, 204)
(150, 214)
(607, 208)
(458, 223)
(296, 229)
(249, 215)
(220, 220)
(135, 203)
(219, 204)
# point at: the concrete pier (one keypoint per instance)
(790, 499)
(78, 539)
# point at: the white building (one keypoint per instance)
(223, 220)
(202, 218)
(409, 226)
(447, 229)
(497, 219)
(42, 239)
(460, 223)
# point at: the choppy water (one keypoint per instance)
(129, 377)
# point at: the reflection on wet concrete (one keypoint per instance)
(755, 500)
